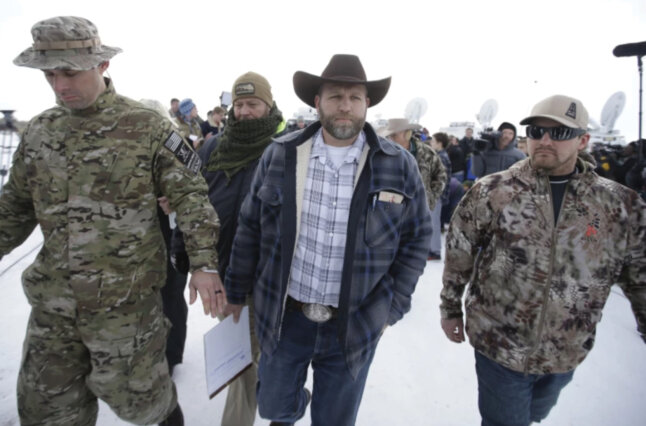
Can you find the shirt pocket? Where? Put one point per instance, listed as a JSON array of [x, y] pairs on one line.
[[271, 202], [123, 178], [383, 221]]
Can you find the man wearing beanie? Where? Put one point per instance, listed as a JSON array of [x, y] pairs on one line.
[[230, 160], [497, 152], [188, 124], [89, 172], [547, 239], [331, 241]]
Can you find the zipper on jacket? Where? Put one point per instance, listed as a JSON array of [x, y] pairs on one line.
[[546, 292]]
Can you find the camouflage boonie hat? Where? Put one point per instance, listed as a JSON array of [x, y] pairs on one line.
[[65, 42]]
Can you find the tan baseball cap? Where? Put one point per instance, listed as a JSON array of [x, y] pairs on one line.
[[568, 111], [65, 42]]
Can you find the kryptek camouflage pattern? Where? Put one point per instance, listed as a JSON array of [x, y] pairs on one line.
[[538, 288]]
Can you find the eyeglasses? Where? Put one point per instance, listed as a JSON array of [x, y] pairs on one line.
[[561, 133]]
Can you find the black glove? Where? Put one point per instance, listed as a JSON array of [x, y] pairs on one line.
[[180, 262]]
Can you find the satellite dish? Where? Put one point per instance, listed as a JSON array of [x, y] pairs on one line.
[[488, 111], [415, 109], [612, 110]]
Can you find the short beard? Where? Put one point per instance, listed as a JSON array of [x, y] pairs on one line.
[[342, 132]]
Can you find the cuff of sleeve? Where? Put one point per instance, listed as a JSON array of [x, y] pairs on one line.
[[204, 260]]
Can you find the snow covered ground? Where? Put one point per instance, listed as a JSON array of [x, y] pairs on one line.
[[418, 377]]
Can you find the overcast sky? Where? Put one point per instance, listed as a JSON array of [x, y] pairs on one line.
[[455, 54]]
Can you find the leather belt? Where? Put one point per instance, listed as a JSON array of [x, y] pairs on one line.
[[313, 311]]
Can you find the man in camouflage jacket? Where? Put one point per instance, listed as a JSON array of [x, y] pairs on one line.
[[540, 245], [433, 173], [89, 172], [432, 170]]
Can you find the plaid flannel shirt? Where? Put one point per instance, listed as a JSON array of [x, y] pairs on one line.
[[318, 260]]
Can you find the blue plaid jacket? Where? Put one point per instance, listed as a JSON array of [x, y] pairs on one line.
[[386, 250]]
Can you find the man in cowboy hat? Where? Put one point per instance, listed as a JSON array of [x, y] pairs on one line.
[[89, 172], [540, 245], [331, 241], [433, 172]]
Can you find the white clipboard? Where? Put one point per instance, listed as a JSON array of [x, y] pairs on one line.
[[227, 352]]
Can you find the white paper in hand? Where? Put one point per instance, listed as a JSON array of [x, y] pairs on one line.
[[227, 352]]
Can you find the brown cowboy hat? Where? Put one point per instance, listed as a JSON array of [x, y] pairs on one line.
[[341, 69]]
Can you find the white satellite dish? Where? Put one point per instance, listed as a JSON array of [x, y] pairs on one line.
[[415, 109], [488, 111], [612, 110]]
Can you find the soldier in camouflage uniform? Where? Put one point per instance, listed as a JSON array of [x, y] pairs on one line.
[[540, 245], [89, 172]]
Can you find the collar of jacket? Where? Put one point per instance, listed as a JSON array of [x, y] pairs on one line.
[[524, 172], [105, 100], [376, 143]]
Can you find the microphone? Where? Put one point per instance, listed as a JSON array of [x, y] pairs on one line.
[[630, 49]]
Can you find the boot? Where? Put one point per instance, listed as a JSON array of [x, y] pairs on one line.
[[175, 418]]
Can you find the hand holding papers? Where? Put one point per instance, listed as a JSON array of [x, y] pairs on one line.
[[227, 352]]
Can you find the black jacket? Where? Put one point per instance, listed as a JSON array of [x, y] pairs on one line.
[[226, 196]]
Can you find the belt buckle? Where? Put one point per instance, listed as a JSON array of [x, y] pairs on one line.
[[316, 312]]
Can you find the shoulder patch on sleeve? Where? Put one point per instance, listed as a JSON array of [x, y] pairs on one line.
[[184, 154]]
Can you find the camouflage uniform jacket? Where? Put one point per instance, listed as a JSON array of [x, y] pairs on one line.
[[538, 288], [90, 178], [433, 172]]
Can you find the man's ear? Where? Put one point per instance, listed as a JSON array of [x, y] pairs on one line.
[[103, 66]]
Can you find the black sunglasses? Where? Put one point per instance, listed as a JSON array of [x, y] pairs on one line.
[[561, 133]]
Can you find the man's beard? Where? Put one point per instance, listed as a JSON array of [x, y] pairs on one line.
[[342, 131]]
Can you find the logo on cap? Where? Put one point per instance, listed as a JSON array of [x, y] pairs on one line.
[[245, 89], [571, 111]]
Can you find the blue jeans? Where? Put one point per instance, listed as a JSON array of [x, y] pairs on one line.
[[336, 395], [510, 398]]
